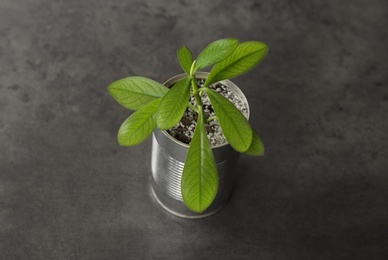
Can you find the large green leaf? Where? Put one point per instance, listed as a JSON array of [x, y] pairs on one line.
[[185, 58], [199, 178], [173, 104], [216, 52], [135, 92], [234, 125], [257, 146], [245, 57], [139, 125]]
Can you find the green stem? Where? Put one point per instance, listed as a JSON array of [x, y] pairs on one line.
[[194, 86], [192, 107], [196, 92], [192, 70], [211, 118], [197, 97]]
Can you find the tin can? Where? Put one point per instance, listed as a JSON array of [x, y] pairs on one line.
[[168, 159]]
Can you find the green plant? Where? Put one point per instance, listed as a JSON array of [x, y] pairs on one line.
[[158, 106]]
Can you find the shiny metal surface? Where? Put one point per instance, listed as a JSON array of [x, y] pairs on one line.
[[168, 157]]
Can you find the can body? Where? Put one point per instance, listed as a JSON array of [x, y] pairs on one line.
[[167, 162]]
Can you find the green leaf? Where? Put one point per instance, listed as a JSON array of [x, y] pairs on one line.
[[185, 58], [173, 104], [199, 183], [216, 52], [245, 57], [257, 146], [135, 92], [139, 125], [234, 125]]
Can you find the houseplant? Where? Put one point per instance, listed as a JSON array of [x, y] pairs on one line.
[[157, 106]]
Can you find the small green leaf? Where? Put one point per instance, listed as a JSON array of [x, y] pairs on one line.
[[257, 146], [199, 183], [245, 57], [185, 58], [234, 125], [135, 92], [216, 52], [173, 104], [139, 125]]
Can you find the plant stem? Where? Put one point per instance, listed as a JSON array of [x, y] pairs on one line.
[[196, 92], [211, 118], [198, 100], [192, 107], [192, 71]]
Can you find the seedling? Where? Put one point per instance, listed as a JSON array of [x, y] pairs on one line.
[[156, 106]]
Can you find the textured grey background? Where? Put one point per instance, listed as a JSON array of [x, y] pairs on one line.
[[319, 101]]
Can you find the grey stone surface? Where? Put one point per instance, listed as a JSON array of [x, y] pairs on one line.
[[319, 101]]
